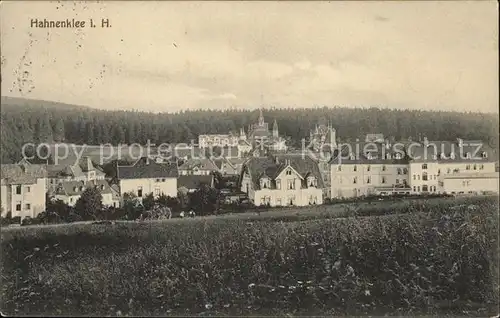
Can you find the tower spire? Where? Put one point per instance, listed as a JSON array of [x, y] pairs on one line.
[[261, 118]]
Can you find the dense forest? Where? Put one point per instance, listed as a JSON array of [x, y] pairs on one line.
[[24, 121]]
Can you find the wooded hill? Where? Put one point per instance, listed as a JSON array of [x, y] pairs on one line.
[[24, 120]]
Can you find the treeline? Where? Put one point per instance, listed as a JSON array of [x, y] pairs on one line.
[[21, 124]]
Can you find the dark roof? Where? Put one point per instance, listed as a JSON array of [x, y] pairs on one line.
[[194, 181], [147, 168], [258, 167], [202, 163], [78, 187], [22, 173]]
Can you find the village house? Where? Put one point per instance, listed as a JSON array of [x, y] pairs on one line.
[[82, 170], [282, 180], [23, 189], [198, 166], [70, 191], [147, 176]]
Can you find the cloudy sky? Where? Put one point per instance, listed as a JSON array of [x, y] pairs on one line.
[[167, 56]]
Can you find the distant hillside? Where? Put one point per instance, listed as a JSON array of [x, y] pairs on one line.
[[25, 102], [31, 121]]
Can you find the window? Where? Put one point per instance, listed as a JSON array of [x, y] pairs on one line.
[[414, 177], [263, 200], [355, 168], [339, 168], [263, 183], [18, 189], [424, 176], [157, 192], [312, 182], [424, 166], [289, 172], [355, 180], [368, 168], [383, 168], [399, 170], [397, 181], [368, 180], [418, 188], [28, 206], [414, 189], [481, 167], [18, 206], [475, 167], [163, 180], [484, 154], [418, 177], [425, 188], [439, 172], [278, 184], [139, 192], [383, 179], [157, 180], [291, 184], [28, 189], [405, 171], [448, 170], [467, 167], [71, 200]]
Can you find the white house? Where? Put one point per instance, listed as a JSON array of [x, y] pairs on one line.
[[282, 180], [201, 166], [23, 189], [192, 182], [70, 191], [147, 176]]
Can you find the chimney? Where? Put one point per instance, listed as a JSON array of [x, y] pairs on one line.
[[276, 160]]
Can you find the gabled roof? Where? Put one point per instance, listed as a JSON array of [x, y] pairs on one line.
[[22, 174], [147, 168], [201, 163], [258, 167], [194, 181]]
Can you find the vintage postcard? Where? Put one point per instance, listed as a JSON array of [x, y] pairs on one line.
[[249, 158]]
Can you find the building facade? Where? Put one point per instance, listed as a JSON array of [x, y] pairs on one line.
[[146, 176], [23, 189], [284, 180]]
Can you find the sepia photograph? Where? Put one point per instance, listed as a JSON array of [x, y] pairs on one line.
[[249, 158]]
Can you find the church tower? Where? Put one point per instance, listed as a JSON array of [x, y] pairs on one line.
[[275, 129], [243, 136], [331, 136], [261, 118]]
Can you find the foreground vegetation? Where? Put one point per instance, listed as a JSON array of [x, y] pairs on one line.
[[425, 257]]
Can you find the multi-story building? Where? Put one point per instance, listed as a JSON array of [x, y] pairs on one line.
[[414, 168], [282, 180], [192, 183], [259, 136], [23, 189], [379, 171], [147, 176], [225, 140]]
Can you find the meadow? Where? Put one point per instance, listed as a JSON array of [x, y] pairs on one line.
[[432, 257]]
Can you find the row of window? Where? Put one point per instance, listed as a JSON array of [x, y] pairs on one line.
[[27, 206], [425, 188], [368, 168], [290, 184], [369, 180], [289, 201], [157, 192]]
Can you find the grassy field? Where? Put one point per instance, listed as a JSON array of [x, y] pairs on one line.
[[399, 258]]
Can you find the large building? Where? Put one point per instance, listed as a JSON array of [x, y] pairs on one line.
[[146, 176], [82, 170], [282, 180], [413, 168], [23, 189], [259, 136]]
